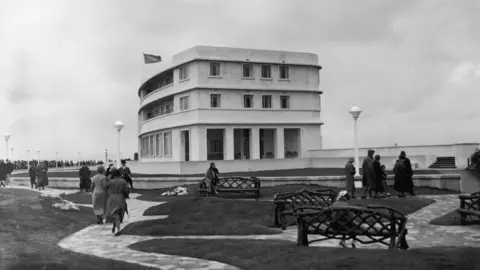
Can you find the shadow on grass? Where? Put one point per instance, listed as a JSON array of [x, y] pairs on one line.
[[273, 255], [32, 228]]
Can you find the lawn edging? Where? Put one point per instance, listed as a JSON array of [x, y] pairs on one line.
[[440, 181]]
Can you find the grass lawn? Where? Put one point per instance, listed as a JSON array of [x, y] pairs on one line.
[[452, 219], [271, 173], [279, 255], [267, 193], [216, 216], [31, 229]]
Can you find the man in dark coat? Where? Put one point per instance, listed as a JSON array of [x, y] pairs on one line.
[[32, 172], [3, 173], [126, 173], [368, 174], [403, 175], [85, 182], [9, 169]]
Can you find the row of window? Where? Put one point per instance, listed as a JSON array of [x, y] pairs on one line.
[[216, 102], [156, 145], [248, 100], [247, 71]]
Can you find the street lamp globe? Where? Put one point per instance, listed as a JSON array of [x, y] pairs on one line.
[[7, 135], [118, 125], [355, 112]]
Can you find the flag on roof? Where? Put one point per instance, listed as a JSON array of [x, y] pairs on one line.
[[150, 58]]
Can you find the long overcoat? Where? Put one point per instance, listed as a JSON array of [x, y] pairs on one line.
[[100, 186], [368, 174], [117, 200], [349, 174]]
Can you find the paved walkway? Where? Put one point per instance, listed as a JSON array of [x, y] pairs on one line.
[[97, 240]]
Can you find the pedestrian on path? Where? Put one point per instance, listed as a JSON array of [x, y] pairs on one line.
[[126, 173], [85, 182], [3, 173], [377, 184], [403, 175], [100, 186], [211, 178], [42, 176], [117, 201], [32, 172], [350, 172]]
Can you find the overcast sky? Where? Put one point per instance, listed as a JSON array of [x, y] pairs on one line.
[[68, 69]]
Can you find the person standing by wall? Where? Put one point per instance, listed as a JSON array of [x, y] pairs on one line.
[[350, 171], [3, 173], [84, 173], [403, 175], [126, 173], [368, 174]]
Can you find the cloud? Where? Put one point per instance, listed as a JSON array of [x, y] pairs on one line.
[[74, 67]]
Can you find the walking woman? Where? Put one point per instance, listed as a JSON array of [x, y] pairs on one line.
[[350, 172], [100, 186], [117, 200], [32, 172], [42, 177], [403, 175]]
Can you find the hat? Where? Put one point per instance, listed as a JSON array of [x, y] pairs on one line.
[[351, 159], [371, 151]]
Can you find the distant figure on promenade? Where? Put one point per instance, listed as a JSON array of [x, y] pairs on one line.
[[85, 182], [350, 172], [211, 178], [100, 186], [117, 201], [126, 173], [9, 169], [41, 175], [403, 175], [368, 174], [32, 172], [3, 173], [108, 173], [377, 184]]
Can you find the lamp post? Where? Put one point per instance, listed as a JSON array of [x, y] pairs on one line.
[[355, 112], [7, 137], [79, 159], [38, 154], [106, 156], [28, 156], [11, 152], [56, 161], [118, 126]]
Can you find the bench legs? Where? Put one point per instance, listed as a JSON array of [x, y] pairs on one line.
[[276, 214], [302, 233]]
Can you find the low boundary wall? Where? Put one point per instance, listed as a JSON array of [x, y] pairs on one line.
[[441, 181]]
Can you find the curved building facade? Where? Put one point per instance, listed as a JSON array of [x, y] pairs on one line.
[[218, 103]]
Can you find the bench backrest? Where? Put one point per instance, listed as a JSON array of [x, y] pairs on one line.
[[470, 202], [305, 197], [349, 219], [238, 182]]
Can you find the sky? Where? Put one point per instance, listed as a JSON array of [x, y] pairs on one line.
[[69, 69]]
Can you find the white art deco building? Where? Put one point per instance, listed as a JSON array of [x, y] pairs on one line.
[[219, 103]]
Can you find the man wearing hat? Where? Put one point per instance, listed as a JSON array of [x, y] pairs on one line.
[[368, 174]]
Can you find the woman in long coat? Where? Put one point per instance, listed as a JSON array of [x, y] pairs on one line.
[[350, 176], [42, 177], [377, 184], [100, 184], [117, 201], [403, 175]]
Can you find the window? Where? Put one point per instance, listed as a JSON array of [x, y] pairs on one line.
[[183, 103], [158, 145], [284, 102], [168, 109], [162, 110], [284, 74], [247, 71], [147, 147], [216, 146], [215, 100], [184, 72], [266, 101], [142, 142], [152, 153], [167, 144], [214, 69], [248, 101], [266, 71]]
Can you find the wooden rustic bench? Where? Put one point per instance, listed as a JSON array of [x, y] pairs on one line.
[[286, 203], [245, 187], [469, 208], [374, 224]]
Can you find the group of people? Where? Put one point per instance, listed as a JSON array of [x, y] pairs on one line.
[[6, 170], [38, 175], [374, 176], [110, 192]]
